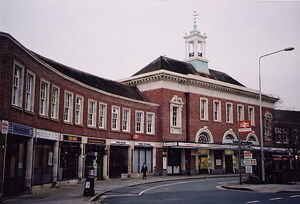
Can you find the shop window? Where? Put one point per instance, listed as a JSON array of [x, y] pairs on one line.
[[139, 121], [203, 108], [78, 110], [240, 112], [251, 115], [68, 107], [229, 113], [102, 115], [17, 85], [150, 123], [69, 160], [44, 98], [141, 156], [92, 113], [126, 120], [176, 105], [29, 96], [115, 119], [217, 111], [55, 102]]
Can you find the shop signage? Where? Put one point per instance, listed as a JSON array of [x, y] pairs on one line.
[[218, 162], [248, 169], [250, 162], [118, 142], [18, 129], [4, 127], [229, 152], [72, 138], [146, 144], [247, 155], [44, 134], [245, 126], [136, 137], [169, 144], [203, 151], [95, 141]]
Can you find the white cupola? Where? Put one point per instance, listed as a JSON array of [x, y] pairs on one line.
[[195, 48]]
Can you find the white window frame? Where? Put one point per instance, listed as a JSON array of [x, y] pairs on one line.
[[242, 117], [178, 103], [17, 86], [126, 120], [54, 105], [139, 125], [78, 118], [91, 122], [117, 122], [251, 117], [102, 114], [229, 115], [29, 94], [218, 112], [152, 132], [204, 116], [70, 107], [44, 100]]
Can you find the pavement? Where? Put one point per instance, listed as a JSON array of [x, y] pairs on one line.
[[73, 194]]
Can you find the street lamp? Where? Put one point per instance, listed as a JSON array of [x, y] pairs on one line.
[[260, 112]]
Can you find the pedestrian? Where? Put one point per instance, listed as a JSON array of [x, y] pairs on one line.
[[144, 170]]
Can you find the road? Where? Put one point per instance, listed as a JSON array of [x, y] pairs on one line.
[[190, 191]]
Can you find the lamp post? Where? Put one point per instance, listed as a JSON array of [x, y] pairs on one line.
[[260, 111]]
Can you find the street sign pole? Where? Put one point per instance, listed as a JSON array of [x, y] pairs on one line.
[[240, 172]]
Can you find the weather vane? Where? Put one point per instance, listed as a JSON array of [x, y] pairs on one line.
[[195, 17]]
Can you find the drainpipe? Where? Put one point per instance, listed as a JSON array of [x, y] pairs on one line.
[[187, 124]]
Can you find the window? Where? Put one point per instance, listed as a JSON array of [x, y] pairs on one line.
[[139, 121], [29, 97], [54, 102], [150, 123], [17, 85], [126, 120], [204, 138], [102, 115], [203, 109], [268, 120], [78, 110], [176, 105], [217, 111], [251, 115], [68, 107], [229, 113], [240, 112], [115, 118], [44, 98], [92, 113]]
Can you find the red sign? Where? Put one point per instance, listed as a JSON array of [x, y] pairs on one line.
[[136, 137], [245, 126], [247, 155], [4, 127]]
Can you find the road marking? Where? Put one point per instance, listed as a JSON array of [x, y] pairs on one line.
[[275, 198], [254, 201], [295, 196]]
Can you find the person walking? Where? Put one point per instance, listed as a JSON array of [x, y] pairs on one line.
[[144, 170]]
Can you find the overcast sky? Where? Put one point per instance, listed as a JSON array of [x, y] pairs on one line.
[[115, 39]]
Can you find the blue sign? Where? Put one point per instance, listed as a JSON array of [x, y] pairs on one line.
[[18, 129]]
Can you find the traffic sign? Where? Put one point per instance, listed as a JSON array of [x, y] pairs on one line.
[[248, 169], [4, 127], [250, 162], [245, 126], [247, 155]]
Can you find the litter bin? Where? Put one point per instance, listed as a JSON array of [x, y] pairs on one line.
[[89, 185]]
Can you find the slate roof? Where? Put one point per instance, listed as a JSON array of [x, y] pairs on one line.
[[185, 68], [95, 81]]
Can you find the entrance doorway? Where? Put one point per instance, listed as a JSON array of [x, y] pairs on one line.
[[228, 164], [118, 161], [15, 167], [203, 164], [174, 161]]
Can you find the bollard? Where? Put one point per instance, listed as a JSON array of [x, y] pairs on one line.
[[89, 185]]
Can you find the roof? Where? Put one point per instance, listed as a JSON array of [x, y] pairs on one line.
[[285, 116], [95, 81], [181, 67]]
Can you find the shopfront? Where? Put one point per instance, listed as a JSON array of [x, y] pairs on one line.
[[18, 159], [118, 158], [44, 165], [94, 152], [70, 151], [229, 161], [142, 153], [203, 160]]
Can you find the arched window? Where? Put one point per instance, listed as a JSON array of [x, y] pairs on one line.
[[229, 136], [252, 138], [204, 138]]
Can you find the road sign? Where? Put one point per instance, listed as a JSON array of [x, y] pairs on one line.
[[248, 169], [250, 162], [4, 127], [247, 155], [245, 126]]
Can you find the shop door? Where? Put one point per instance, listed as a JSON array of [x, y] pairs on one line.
[[174, 161], [118, 161], [228, 164], [14, 181], [203, 164]]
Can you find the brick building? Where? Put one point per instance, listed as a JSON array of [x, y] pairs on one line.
[[59, 124]]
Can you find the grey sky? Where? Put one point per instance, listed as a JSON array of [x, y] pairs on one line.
[[115, 39]]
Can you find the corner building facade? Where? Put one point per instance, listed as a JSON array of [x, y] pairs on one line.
[[60, 125]]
